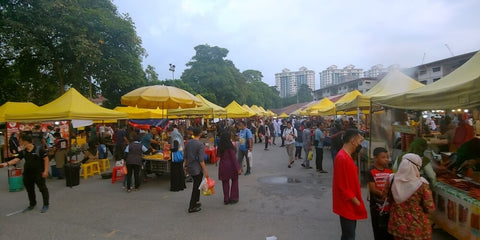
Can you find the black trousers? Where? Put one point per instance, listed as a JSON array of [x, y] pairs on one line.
[[197, 179], [29, 181], [266, 142], [135, 169], [380, 225], [298, 151], [319, 158]]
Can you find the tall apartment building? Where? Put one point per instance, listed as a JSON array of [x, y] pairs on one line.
[[334, 75], [288, 82]]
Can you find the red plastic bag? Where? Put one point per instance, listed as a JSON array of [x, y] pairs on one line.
[[210, 183]]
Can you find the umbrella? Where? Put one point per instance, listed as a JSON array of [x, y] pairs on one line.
[[164, 97]]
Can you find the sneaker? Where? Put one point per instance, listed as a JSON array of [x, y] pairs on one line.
[[247, 173], [44, 209], [323, 171], [303, 165], [29, 208], [233, 201], [195, 209]]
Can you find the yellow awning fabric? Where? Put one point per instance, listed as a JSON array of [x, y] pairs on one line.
[[16, 108], [208, 110], [459, 89], [234, 110], [257, 110], [70, 106], [283, 115], [249, 110], [263, 110], [394, 82], [142, 113], [324, 107], [270, 113]]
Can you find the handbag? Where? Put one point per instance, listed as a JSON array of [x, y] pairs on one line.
[[177, 156]]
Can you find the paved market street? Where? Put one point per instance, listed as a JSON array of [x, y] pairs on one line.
[[289, 203]]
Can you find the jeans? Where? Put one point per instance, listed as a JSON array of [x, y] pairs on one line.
[[348, 228], [195, 197], [240, 156], [29, 181]]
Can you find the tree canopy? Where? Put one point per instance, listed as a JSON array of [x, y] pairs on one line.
[[50, 45]]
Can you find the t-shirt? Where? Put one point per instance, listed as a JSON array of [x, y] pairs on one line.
[[194, 152], [289, 139], [34, 162], [146, 140], [61, 144], [243, 136], [318, 137], [345, 186], [380, 177], [37, 138]]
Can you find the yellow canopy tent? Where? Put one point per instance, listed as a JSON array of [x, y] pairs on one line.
[[234, 110], [345, 99], [249, 110], [283, 115], [258, 111], [323, 107], [70, 106], [265, 112], [394, 82], [271, 114], [459, 89], [208, 110], [16, 108]]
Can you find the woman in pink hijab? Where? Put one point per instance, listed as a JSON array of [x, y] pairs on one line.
[[412, 203]]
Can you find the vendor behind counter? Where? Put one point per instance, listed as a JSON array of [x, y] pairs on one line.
[[468, 156]]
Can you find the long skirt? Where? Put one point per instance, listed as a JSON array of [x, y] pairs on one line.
[[177, 177]]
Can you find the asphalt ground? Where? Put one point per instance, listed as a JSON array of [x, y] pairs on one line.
[[288, 203]]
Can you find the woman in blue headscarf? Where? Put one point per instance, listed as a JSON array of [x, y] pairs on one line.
[[177, 174]]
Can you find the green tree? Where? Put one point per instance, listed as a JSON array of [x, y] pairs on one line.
[[50, 45], [215, 77]]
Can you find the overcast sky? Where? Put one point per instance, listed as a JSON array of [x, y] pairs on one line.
[[270, 35]]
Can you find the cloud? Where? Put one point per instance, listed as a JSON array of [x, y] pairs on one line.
[[270, 35]]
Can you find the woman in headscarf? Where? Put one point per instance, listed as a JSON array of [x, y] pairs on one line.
[[229, 169], [177, 174], [412, 203]]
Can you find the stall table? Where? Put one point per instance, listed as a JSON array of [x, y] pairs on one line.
[[156, 165]]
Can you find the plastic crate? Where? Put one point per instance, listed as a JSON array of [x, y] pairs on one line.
[[159, 166]]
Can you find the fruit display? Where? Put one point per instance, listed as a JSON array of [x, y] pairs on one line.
[[155, 156]]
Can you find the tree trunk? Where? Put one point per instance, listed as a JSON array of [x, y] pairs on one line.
[[61, 83]]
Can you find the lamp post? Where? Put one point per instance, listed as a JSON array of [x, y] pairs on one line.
[[172, 69]]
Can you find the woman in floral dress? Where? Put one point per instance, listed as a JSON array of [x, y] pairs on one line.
[[412, 201]]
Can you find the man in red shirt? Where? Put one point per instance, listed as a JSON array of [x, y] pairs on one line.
[[347, 197]]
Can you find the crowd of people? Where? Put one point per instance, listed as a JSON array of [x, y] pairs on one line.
[[391, 198]]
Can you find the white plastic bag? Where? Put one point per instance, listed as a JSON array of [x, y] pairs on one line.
[[203, 185], [249, 155]]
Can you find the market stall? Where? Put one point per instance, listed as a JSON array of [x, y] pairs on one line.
[[457, 190]]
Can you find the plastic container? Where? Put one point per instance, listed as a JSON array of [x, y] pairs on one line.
[[15, 179]]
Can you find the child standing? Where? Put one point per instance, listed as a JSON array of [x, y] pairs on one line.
[[377, 179]]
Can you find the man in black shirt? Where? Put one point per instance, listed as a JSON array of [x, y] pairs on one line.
[[35, 170]]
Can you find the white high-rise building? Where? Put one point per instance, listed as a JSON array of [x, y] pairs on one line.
[[333, 75], [288, 82]]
